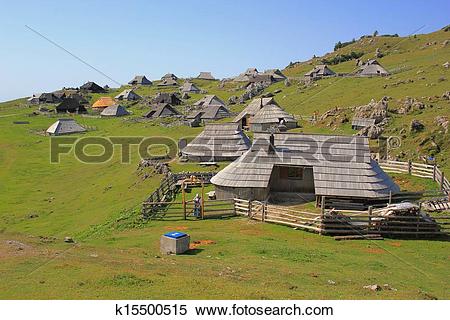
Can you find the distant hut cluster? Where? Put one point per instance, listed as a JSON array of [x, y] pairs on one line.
[[319, 71], [252, 75], [218, 142]]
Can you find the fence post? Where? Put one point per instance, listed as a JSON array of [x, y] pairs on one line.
[[409, 167], [263, 212], [322, 206], [442, 180], [183, 200], [369, 228], [390, 196], [322, 214], [434, 172], [203, 201]]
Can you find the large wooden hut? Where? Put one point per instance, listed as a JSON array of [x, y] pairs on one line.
[[337, 167], [272, 117], [246, 115], [218, 142]]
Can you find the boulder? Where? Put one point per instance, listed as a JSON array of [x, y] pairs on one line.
[[446, 95], [373, 287], [443, 122], [408, 105], [416, 126], [373, 110], [378, 53], [372, 132], [287, 83], [233, 100], [69, 240]]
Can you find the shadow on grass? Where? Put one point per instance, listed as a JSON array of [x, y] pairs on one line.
[[193, 252]]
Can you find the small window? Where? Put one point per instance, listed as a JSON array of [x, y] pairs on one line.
[[295, 173]]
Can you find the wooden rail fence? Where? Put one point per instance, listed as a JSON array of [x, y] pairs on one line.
[[163, 196], [418, 170], [346, 222]]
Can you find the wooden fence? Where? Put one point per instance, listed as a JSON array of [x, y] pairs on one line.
[[346, 222], [418, 170], [187, 210], [169, 187]]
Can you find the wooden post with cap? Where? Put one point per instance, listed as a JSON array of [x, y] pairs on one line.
[[203, 201], [183, 199]]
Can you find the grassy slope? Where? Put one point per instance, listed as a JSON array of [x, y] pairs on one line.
[[115, 256]]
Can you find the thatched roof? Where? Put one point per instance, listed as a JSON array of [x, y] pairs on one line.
[[103, 102], [206, 76], [342, 165], [254, 107], [140, 80], [129, 95], [189, 87], [320, 71], [115, 111], [209, 100], [372, 68], [221, 141], [272, 114], [162, 110], [65, 126]]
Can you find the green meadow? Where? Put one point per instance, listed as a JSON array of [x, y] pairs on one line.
[[116, 253]]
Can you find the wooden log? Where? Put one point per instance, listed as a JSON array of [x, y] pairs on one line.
[[371, 236]]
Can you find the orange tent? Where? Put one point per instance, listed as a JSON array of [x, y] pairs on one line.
[[103, 102]]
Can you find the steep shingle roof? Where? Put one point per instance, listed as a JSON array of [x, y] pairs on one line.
[[221, 141], [342, 165]]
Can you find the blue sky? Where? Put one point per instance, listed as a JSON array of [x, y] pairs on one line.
[[124, 38]]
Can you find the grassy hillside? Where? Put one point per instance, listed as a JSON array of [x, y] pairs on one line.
[[116, 254]]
